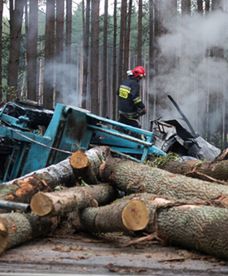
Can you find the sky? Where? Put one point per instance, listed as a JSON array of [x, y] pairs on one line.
[[74, 5]]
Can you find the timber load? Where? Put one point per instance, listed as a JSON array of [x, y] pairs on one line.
[[104, 193]]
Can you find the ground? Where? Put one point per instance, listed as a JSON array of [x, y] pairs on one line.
[[107, 255]]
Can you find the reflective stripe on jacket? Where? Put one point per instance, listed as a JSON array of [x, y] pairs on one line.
[[129, 99]]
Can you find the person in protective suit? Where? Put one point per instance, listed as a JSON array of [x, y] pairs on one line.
[[130, 104]]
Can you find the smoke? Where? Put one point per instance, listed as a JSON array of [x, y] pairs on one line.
[[64, 77], [187, 69], [66, 83]]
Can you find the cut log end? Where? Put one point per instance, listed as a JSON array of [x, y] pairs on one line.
[[3, 237], [41, 205], [79, 160], [135, 215]]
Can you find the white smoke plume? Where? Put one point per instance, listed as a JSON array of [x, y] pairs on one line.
[[65, 78], [195, 75]]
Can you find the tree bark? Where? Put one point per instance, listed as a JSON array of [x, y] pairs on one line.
[[17, 228], [59, 54], [94, 57], [32, 50], [209, 171], [23, 188], [63, 173], [16, 18], [186, 6], [58, 203], [86, 35], [49, 52], [122, 36], [207, 6], [124, 215], [1, 47], [86, 164], [140, 33], [114, 62], [104, 98], [189, 225], [126, 41], [132, 177], [200, 6], [68, 31], [196, 227]]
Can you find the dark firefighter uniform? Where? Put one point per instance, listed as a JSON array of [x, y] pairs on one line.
[[131, 106]]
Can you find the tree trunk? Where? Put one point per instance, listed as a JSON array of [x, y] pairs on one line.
[[123, 30], [105, 90], [58, 203], [48, 97], [202, 228], [16, 17], [209, 171], [17, 228], [140, 33], [87, 164], [59, 39], [186, 6], [23, 188], [1, 13], [187, 224], [86, 35], [32, 50], [124, 215], [195, 227], [114, 67], [207, 6], [132, 177], [68, 31], [200, 6], [46, 179], [127, 38], [94, 57]]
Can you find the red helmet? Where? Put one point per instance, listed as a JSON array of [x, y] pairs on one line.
[[139, 72]]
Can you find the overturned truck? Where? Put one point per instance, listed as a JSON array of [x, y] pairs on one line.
[[32, 137]]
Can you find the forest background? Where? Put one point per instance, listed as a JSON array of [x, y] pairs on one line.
[[77, 53]]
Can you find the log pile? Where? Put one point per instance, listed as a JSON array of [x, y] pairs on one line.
[[121, 196]]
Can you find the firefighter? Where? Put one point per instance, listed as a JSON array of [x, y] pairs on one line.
[[131, 106]]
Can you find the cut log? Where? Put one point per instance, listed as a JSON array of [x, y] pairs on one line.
[[86, 163], [70, 199], [17, 228], [23, 188], [209, 171], [131, 177], [191, 226], [203, 228], [124, 215]]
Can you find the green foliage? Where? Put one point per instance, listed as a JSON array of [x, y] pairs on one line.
[[162, 160], [83, 183]]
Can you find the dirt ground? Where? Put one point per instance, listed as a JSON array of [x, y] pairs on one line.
[[106, 255]]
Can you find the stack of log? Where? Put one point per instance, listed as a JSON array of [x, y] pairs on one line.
[[122, 195]]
